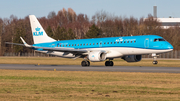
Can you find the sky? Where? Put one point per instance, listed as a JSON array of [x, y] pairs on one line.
[[123, 8]]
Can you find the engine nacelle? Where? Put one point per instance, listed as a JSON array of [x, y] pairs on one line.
[[133, 58], [96, 56]]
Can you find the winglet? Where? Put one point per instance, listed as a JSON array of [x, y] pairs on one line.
[[27, 45]]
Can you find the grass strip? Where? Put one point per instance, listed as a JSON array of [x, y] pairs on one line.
[[82, 85], [65, 61]]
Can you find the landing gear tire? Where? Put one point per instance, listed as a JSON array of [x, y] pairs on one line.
[[155, 62], [88, 63], [85, 63], [109, 63]]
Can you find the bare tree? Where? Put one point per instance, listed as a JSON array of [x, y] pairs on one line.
[[51, 14]]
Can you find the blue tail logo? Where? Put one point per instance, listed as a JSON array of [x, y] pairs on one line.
[[38, 32]]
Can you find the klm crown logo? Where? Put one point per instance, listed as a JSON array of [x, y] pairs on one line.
[[37, 29], [38, 32]]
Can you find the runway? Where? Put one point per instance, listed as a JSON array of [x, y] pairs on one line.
[[91, 68]]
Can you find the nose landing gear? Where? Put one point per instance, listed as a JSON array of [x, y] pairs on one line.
[[155, 62]]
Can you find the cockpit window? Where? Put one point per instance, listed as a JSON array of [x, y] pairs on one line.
[[162, 40], [155, 40], [159, 39]]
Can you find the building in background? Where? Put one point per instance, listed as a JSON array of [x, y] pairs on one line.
[[166, 22], [169, 22]]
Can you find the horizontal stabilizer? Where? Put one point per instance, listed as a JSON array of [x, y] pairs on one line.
[[14, 43], [24, 43]]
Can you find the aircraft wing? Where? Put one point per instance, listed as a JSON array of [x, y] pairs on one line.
[[59, 49], [71, 50]]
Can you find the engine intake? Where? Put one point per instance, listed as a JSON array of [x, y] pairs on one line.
[[96, 56], [133, 58]]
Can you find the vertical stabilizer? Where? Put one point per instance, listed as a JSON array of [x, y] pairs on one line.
[[38, 33]]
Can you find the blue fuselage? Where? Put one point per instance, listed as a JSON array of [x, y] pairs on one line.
[[144, 42]]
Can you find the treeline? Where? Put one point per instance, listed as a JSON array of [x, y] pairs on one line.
[[66, 24]]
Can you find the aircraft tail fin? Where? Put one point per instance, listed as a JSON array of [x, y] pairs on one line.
[[38, 33]]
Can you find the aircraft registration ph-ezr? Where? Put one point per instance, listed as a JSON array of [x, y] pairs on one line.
[[129, 48]]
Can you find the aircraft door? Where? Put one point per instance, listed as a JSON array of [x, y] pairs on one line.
[[100, 44], [146, 43]]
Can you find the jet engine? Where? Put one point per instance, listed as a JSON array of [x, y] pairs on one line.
[[96, 56], [132, 58]]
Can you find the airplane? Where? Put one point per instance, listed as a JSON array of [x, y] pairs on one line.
[[129, 48]]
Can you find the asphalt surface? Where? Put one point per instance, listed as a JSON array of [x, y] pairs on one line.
[[91, 68]]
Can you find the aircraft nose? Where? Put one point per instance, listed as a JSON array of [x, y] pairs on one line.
[[169, 46]]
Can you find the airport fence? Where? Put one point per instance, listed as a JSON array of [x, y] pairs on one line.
[[34, 54], [173, 54]]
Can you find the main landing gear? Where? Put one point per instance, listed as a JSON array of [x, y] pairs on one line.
[[109, 63], [85, 63], [155, 58]]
